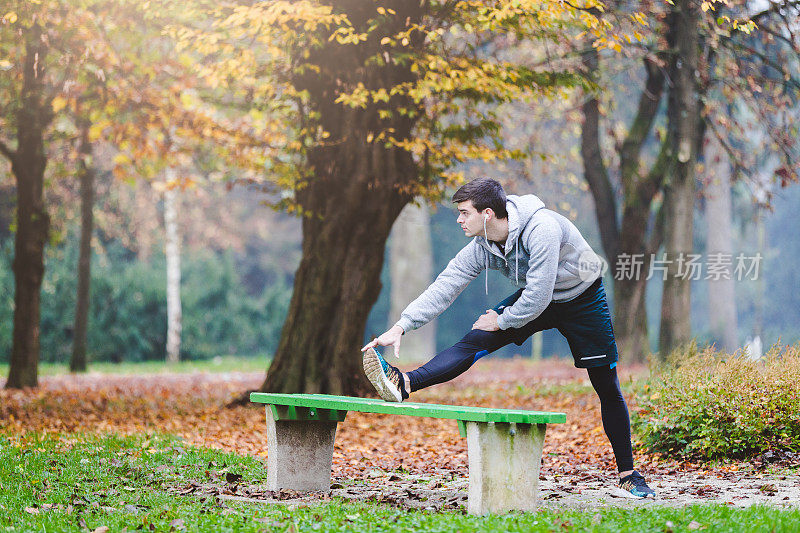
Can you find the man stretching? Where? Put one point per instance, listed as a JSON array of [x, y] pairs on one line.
[[559, 283]]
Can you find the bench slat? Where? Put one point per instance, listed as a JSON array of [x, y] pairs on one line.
[[295, 412], [371, 405]]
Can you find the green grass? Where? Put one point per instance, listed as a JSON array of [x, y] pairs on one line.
[[82, 483], [228, 363]]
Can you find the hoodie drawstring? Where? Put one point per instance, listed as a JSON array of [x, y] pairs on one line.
[[486, 256]]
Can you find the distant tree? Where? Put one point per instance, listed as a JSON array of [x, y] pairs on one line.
[[719, 242], [45, 46], [172, 250], [648, 208], [411, 270], [59, 58], [86, 174]]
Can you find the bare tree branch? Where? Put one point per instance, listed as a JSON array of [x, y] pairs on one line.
[[769, 62], [6, 151], [594, 168]]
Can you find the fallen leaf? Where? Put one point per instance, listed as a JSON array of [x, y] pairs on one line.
[[233, 478]]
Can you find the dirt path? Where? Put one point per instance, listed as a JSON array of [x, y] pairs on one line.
[[588, 491]]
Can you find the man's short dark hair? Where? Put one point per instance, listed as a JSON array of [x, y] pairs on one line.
[[483, 193]]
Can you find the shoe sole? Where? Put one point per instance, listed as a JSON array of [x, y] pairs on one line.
[[619, 492], [374, 371]]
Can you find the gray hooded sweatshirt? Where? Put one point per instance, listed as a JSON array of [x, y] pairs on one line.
[[544, 253]]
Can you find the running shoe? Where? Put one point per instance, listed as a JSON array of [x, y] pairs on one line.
[[386, 379], [634, 486]]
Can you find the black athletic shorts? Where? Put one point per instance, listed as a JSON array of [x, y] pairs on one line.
[[585, 321]]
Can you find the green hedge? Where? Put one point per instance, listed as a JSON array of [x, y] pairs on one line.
[[710, 405], [128, 318]]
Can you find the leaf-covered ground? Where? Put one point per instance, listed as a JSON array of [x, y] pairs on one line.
[[401, 455], [53, 482]]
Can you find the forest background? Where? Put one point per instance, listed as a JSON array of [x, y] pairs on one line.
[[238, 257]]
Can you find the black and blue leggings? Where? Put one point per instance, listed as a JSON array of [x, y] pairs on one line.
[[586, 323]]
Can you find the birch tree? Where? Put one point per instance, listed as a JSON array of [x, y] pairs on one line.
[[719, 244], [172, 250]]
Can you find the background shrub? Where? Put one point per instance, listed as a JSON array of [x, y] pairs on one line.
[[708, 405], [128, 307]]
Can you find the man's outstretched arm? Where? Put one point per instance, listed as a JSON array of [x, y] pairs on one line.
[[462, 269]]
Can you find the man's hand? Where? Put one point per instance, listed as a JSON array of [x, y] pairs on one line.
[[390, 338], [487, 321]]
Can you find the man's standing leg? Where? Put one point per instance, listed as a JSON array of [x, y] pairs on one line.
[[586, 323], [614, 413]]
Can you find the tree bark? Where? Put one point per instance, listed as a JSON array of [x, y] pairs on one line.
[[719, 240], [683, 116], [355, 190], [28, 165], [172, 250], [77, 362], [411, 267], [335, 286]]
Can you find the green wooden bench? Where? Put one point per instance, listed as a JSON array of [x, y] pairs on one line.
[[504, 445]]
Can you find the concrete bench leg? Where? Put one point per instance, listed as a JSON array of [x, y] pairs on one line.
[[299, 453], [504, 463]]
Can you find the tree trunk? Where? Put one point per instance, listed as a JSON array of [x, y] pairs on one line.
[[335, 286], [354, 190], [173, 255], [719, 240], [683, 118], [536, 346], [28, 165], [630, 302], [411, 266], [86, 169], [630, 319]]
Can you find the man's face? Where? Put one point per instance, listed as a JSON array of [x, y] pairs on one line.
[[470, 220]]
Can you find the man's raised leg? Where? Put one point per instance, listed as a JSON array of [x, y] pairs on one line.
[[395, 386], [457, 359]]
